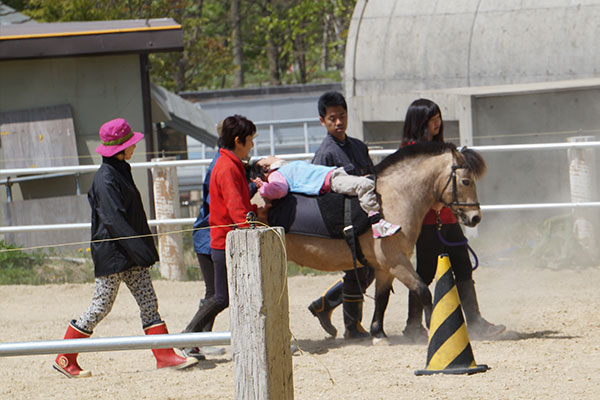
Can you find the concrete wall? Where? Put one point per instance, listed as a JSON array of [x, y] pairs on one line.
[[97, 89], [502, 73], [54, 210]]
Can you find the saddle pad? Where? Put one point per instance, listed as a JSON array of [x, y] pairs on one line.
[[299, 214], [321, 216], [332, 211]]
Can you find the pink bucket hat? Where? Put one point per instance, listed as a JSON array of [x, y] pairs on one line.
[[116, 135]]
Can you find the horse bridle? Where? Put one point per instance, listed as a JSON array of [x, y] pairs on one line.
[[452, 178]]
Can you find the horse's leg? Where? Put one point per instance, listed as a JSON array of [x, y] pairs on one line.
[[403, 270], [424, 296], [383, 286]]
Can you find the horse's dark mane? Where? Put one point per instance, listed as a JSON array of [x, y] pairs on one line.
[[414, 150], [472, 159]]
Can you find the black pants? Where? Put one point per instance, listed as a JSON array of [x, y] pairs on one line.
[[208, 273], [429, 247], [357, 281], [221, 289]]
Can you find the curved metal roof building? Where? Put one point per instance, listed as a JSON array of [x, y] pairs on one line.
[[430, 44]]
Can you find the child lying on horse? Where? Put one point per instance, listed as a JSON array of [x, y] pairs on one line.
[[275, 177]]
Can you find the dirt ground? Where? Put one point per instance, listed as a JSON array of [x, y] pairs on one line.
[[551, 348]]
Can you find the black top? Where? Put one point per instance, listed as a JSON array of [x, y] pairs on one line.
[[352, 154], [117, 211]]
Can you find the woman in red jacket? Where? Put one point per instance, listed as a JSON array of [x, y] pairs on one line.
[[229, 205], [423, 123]]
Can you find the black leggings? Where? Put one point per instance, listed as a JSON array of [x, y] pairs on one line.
[[429, 247], [208, 274]]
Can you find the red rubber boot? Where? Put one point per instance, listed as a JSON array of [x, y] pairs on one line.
[[167, 358], [67, 363]]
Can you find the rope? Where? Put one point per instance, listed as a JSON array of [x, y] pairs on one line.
[[118, 238], [456, 244]]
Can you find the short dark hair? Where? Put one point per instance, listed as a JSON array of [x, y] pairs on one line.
[[235, 126], [330, 99], [418, 115], [256, 170]]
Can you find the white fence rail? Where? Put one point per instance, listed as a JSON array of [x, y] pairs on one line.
[[115, 343], [300, 156]]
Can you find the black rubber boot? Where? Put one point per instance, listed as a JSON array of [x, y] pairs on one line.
[[477, 326], [210, 322], [414, 331], [205, 316], [202, 322], [352, 318], [324, 306]]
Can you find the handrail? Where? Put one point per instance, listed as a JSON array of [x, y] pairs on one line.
[[299, 156], [383, 152]]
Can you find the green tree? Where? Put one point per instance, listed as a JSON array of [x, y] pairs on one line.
[[228, 43]]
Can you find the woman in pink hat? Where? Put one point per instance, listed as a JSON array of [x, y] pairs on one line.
[[118, 212]]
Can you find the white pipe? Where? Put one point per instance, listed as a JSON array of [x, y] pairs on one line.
[[287, 121], [187, 163], [93, 168], [115, 343], [272, 139], [306, 147], [87, 225], [190, 221], [538, 206]]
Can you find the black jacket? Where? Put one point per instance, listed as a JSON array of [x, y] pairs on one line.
[[352, 154], [117, 211]]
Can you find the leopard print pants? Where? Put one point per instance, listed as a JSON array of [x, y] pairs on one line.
[[106, 288]]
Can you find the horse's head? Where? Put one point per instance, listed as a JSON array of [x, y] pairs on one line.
[[460, 191]]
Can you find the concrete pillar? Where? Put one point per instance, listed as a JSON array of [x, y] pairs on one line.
[[166, 204], [583, 177]]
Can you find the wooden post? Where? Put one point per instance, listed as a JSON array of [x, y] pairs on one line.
[[259, 314], [166, 204]]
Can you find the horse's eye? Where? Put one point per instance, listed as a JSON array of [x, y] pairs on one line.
[[466, 182]]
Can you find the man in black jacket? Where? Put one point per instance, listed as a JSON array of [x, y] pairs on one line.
[[341, 150]]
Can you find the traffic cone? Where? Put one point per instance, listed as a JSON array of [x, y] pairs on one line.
[[449, 350]]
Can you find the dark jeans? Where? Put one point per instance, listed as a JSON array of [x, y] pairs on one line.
[[208, 273], [429, 247], [221, 290]]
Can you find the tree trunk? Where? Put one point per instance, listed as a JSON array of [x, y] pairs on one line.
[[238, 78], [180, 73], [337, 27], [325, 44], [200, 6], [273, 57], [301, 57]]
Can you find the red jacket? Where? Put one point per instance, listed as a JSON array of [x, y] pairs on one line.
[[446, 216], [229, 197]]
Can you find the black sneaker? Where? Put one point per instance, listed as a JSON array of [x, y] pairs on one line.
[[194, 352]]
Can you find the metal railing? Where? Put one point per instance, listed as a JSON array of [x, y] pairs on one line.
[[300, 156], [179, 340]]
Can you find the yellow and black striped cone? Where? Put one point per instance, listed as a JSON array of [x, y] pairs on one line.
[[449, 350]]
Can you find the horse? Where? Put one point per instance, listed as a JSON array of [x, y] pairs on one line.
[[409, 183]]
